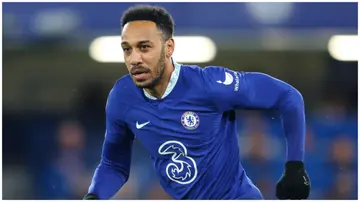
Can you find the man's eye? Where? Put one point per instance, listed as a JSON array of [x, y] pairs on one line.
[[144, 46], [126, 49]]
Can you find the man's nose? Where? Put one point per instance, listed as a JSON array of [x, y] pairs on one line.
[[135, 58]]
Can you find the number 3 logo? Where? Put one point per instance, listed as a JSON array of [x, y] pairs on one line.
[[183, 168]]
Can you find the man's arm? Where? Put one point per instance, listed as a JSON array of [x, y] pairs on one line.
[[261, 91], [114, 168], [232, 90]]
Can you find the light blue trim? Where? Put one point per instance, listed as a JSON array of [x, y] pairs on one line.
[[173, 80]]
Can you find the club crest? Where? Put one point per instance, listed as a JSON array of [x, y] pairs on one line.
[[190, 120]]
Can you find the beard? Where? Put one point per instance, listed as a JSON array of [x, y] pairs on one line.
[[157, 74]]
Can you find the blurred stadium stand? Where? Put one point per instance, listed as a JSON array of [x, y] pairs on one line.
[[54, 93]]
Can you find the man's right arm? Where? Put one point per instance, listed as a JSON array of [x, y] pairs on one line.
[[114, 168]]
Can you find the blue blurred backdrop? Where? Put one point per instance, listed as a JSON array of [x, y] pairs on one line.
[[54, 93]]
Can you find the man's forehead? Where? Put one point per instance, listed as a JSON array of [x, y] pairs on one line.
[[139, 27], [140, 31]]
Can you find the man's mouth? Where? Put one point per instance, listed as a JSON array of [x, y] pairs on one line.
[[140, 74]]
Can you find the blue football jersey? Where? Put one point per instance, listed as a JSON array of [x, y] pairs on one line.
[[190, 133]]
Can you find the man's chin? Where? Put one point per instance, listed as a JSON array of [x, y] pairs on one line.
[[143, 84]]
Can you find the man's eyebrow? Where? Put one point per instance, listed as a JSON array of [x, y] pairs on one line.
[[144, 41], [140, 42]]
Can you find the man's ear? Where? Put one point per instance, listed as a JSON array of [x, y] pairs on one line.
[[170, 47]]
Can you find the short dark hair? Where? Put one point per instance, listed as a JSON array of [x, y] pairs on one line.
[[156, 14]]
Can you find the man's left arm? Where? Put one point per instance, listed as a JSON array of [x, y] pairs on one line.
[[238, 90], [232, 90]]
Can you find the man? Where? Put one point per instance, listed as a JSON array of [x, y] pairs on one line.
[[184, 116]]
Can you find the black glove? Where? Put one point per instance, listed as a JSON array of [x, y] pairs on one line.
[[90, 197], [294, 183]]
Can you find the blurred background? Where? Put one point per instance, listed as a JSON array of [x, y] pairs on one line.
[[56, 80]]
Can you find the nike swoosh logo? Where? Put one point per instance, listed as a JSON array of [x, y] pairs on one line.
[[139, 126], [228, 79]]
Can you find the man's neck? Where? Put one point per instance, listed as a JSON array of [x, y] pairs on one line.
[[159, 89]]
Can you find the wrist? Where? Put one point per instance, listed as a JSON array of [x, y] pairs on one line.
[[294, 165]]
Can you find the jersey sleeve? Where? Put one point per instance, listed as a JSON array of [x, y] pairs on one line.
[[114, 168], [231, 90], [116, 129]]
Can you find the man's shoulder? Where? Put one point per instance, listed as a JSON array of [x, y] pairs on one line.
[[120, 96], [195, 70], [123, 89], [205, 74], [124, 81], [124, 84], [213, 69]]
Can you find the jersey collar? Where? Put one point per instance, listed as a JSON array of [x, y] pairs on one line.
[[173, 80]]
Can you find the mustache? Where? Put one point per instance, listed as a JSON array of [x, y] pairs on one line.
[[139, 70]]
